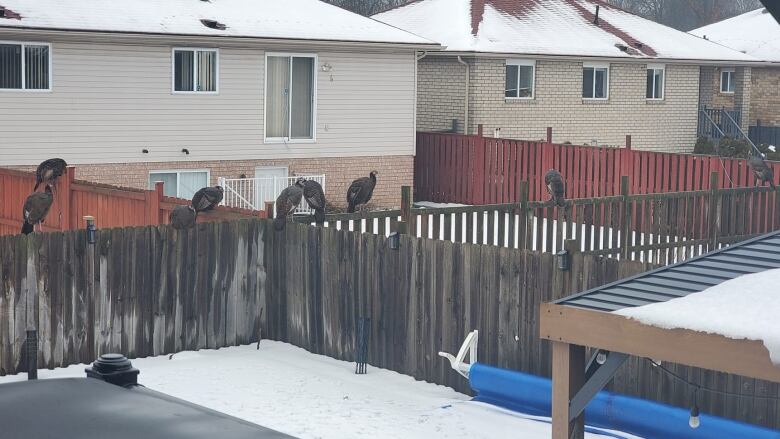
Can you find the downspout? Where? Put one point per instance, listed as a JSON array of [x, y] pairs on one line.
[[468, 79]]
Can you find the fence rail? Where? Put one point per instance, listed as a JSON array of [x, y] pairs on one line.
[[152, 290], [453, 168], [111, 206]]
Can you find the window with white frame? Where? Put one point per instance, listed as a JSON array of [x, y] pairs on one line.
[[195, 70], [180, 184], [655, 81], [595, 81], [25, 66], [727, 81], [290, 97], [520, 75]]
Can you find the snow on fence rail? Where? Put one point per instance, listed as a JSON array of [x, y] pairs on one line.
[[472, 169], [657, 228]]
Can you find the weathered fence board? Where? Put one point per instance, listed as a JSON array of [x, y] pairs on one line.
[[159, 291]]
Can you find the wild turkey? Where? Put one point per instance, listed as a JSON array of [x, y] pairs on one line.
[[762, 173], [49, 171], [35, 209], [315, 197], [360, 191], [207, 198], [183, 217], [556, 187], [287, 202]]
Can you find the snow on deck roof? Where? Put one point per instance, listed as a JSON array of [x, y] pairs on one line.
[[551, 27], [287, 19], [745, 307], [755, 33]]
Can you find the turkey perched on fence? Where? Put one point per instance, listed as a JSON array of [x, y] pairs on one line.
[[48, 172], [315, 197], [35, 209], [287, 202], [360, 191], [762, 173], [183, 217], [207, 198], [556, 187]]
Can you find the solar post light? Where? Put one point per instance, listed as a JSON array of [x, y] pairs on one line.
[[91, 230], [564, 260], [394, 240]]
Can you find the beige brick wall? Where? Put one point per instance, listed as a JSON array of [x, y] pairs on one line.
[[440, 93], [394, 172], [742, 98], [765, 100]]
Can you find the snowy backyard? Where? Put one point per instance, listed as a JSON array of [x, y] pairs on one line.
[[311, 396]]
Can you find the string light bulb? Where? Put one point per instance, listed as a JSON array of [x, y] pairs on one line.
[[601, 357]]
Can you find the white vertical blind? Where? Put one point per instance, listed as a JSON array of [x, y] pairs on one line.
[[277, 99], [207, 71], [302, 99], [36, 67]]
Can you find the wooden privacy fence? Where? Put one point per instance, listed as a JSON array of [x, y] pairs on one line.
[[454, 168], [151, 291], [658, 228], [111, 206]]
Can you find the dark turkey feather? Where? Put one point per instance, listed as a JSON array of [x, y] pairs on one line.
[[360, 191], [287, 202], [315, 197], [183, 217], [48, 172], [36, 206], [556, 187], [207, 198]]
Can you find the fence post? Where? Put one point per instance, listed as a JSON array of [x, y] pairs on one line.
[[65, 198], [92, 345], [714, 210], [31, 346], [480, 173], [625, 226], [549, 134], [405, 226], [522, 227], [628, 142], [152, 203], [269, 209]]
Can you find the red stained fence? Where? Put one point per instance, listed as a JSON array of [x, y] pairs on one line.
[[454, 168], [111, 206]]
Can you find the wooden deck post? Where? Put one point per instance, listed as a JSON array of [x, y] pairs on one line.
[[568, 376], [549, 134], [406, 210], [628, 142], [479, 165], [625, 223], [269, 210], [153, 199]]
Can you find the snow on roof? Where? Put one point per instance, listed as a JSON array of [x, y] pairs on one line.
[[550, 27], [745, 307], [288, 19], [755, 33]]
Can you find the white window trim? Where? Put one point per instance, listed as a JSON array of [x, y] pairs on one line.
[[597, 65], [523, 62], [180, 171], [195, 70], [731, 70], [24, 60], [661, 67], [286, 140]]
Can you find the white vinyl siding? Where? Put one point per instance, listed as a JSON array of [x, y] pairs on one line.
[[180, 184], [520, 78], [195, 70], [25, 66], [595, 81], [113, 101], [727, 81], [656, 78]]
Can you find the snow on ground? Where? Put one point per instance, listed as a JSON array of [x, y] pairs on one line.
[[312, 396], [741, 308]]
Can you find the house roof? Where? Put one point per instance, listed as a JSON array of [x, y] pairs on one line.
[[684, 278], [272, 19], [551, 27], [756, 33]]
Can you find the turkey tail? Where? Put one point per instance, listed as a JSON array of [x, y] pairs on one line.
[[27, 228], [279, 223], [319, 216]]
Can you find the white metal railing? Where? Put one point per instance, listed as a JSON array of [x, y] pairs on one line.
[[253, 193]]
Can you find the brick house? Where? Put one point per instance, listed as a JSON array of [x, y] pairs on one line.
[[755, 92], [187, 91], [592, 72]]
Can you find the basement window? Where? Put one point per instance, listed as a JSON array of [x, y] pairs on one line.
[[520, 75], [25, 66], [195, 70], [655, 81], [180, 183], [727, 81], [595, 81]]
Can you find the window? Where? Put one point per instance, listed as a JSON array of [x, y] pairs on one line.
[[520, 79], [195, 70], [595, 81], [290, 97], [727, 81], [655, 81], [181, 184], [25, 66]]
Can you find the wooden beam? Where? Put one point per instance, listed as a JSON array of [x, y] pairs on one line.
[[568, 375], [616, 333]]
